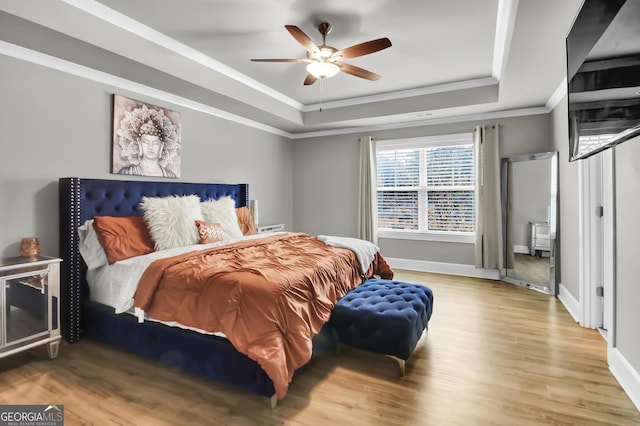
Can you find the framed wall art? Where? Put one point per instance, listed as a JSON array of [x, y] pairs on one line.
[[146, 139]]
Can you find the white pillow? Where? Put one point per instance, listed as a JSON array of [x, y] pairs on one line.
[[222, 211], [172, 220], [89, 246]]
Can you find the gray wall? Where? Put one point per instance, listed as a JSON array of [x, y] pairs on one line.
[[568, 231], [56, 125], [627, 188], [326, 187], [627, 314]]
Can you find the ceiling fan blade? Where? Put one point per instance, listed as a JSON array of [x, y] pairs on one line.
[[310, 79], [302, 38], [365, 48], [281, 60], [357, 71]]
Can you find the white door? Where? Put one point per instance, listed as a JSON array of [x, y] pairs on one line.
[[608, 236], [597, 240], [596, 259]]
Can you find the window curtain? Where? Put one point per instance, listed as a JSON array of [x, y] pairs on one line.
[[368, 202], [489, 246]]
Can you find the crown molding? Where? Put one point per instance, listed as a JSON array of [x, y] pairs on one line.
[[422, 123], [505, 20], [403, 94], [505, 24], [504, 29], [113, 17], [82, 71], [68, 67], [557, 95]]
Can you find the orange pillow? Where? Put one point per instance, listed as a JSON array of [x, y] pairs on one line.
[[123, 237], [245, 221], [209, 232]]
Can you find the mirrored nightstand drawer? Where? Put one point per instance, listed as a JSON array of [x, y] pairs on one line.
[[29, 304]]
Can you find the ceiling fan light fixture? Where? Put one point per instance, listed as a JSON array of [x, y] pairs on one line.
[[323, 69], [326, 61]]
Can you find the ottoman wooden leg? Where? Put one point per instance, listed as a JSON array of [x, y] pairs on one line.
[[401, 363]]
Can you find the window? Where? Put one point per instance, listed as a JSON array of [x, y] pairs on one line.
[[591, 143], [426, 188]]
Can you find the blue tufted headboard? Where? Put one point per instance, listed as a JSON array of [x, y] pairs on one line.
[[81, 199]]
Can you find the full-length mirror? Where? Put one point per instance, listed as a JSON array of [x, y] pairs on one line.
[[529, 197]]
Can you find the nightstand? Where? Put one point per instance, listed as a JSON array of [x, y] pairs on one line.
[[538, 237], [271, 228], [29, 304]]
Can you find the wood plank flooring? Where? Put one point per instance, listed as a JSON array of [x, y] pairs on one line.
[[494, 354], [532, 269]]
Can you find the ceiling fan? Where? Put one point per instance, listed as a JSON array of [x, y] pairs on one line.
[[325, 61]]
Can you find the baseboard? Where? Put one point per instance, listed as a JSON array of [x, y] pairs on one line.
[[443, 268], [625, 374], [569, 302]]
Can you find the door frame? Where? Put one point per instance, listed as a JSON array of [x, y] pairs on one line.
[[597, 241]]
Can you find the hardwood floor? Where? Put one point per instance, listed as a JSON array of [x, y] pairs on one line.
[[494, 354], [532, 269]]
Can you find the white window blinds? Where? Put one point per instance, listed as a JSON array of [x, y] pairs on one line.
[[426, 185]]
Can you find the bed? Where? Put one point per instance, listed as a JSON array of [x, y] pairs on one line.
[[210, 355]]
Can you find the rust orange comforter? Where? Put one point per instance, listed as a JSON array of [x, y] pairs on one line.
[[269, 296]]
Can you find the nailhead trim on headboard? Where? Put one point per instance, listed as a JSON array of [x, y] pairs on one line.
[[74, 313]]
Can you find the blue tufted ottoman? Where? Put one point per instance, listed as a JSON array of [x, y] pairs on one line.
[[383, 316]]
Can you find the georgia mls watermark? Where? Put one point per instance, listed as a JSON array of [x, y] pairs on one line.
[[32, 415]]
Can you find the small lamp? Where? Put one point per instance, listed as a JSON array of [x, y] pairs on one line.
[[29, 247], [253, 207]]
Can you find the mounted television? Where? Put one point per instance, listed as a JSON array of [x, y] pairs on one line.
[[603, 76]]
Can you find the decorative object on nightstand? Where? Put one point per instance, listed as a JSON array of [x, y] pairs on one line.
[[271, 228], [29, 304], [29, 247], [253, 208], [538, 238]]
